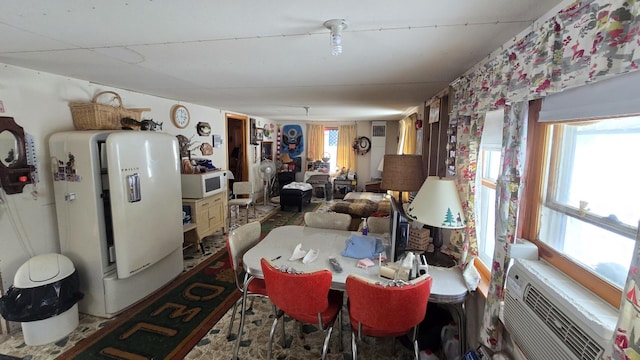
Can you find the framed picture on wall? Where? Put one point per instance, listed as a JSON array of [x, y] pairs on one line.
[[253, 132], [434, 111], [259, 134], [266, 150]]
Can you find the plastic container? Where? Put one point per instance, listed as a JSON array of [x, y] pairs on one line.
[[44, 299], [452, 348], [447, 332], [427, 354], [365, 227]]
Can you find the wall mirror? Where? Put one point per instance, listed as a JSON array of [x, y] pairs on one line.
[[14, 171], [8, 149]]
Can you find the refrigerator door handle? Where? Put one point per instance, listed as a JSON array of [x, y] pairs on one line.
[[133, 184]]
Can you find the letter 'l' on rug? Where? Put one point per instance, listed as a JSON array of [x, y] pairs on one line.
[[169, 323]]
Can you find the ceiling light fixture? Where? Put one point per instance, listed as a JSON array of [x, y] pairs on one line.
[[336, 26]]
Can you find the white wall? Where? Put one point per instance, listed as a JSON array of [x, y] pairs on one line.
[[39, 103]]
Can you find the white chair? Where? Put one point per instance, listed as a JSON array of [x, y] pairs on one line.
[[238, 242], [242, 188], [337, 221]]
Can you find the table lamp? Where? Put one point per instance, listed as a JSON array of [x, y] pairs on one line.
[[402, 173], [286, 159], [437, 204]]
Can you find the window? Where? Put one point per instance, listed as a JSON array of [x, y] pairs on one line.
[[331, 146], [486, 178], [590, 206], [486, 204]]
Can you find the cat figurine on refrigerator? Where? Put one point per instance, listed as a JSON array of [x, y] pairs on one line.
[[146, 124], [149, 124]]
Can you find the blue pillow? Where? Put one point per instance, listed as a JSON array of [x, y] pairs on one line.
[[363, 246]]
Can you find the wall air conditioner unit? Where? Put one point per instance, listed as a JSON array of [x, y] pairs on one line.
[[550, 316]]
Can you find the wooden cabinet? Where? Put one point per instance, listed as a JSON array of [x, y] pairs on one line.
[[207, 216]]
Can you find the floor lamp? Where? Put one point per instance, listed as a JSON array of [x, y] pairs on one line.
[[437, 204], [402, 173]]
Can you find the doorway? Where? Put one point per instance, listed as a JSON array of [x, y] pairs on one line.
[[237, 147]]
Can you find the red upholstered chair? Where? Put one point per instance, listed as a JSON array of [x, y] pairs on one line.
[[238, 242], [305, 297], [381, 309]]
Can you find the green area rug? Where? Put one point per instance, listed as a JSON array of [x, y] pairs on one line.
[[284, 217], [169, 324]]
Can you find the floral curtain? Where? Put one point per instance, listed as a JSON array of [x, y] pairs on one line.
[[315, 142], [585, 42], [463, 244], [346, 155], [625, 339], [508, 190]]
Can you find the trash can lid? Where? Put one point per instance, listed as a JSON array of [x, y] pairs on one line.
[[43, 269]]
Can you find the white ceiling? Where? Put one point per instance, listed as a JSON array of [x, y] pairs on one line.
[[267, 59]]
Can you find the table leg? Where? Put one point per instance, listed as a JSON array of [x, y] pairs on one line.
[[458, 311]]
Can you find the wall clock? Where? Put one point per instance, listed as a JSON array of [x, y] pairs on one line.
[[180, 116]]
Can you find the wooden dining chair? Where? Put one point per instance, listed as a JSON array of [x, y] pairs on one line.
[[386, 309], [337, 221], [239, 241], [305, 297]]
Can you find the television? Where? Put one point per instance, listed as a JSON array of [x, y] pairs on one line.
[[398, 231]]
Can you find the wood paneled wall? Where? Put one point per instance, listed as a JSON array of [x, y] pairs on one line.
[[435, 137]]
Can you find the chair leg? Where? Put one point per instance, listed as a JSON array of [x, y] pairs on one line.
[[284, 336], [416, 349], [354, 347], [341, 348], [241, 327], [273, 332], [233, 317], [325, 345]]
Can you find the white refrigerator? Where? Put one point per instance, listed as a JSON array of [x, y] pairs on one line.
[[119, 209]]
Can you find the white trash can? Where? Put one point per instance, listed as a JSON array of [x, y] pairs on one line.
[[44, 299]]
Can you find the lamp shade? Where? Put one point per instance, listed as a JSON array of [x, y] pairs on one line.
[[438, 204], [402, 172], [286, 159]]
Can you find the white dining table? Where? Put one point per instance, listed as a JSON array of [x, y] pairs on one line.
[[448, 286]]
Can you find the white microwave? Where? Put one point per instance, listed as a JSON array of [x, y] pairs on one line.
[[197, 186]]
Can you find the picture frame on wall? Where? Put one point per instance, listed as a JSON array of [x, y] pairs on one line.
[[434, 111], [253, 132], [266, 152], [259, 135]]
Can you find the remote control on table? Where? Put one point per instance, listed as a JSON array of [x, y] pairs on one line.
[[335, 264]]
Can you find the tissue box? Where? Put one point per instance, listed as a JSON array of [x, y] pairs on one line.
[[419, 233], [419, 239]]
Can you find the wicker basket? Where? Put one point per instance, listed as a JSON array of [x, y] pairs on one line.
[[96, 116]]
